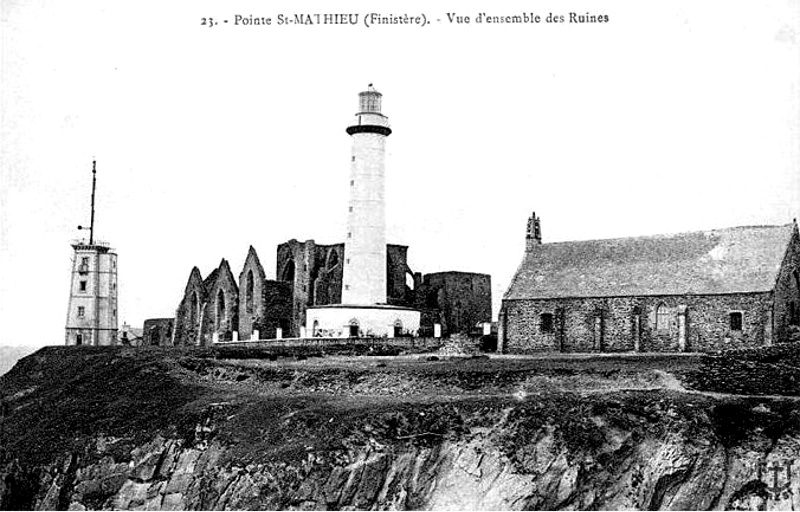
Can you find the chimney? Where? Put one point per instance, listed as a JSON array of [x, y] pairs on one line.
[[533, 236]]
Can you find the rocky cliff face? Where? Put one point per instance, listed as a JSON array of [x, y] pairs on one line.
[[210, 434]]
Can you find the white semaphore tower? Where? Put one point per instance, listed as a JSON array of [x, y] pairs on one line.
[[364, 273], [364, 311], [92, 309]]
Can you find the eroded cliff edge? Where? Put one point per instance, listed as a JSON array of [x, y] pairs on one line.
[[152, 429]]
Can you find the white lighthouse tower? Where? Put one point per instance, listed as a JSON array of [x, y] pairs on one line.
[[364, 273], [364, 311], [92, 309]]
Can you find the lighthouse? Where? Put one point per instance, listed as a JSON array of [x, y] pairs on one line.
[[364, 273], [364, 311]]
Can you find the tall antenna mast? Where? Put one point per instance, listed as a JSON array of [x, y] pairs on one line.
[[94, 185]]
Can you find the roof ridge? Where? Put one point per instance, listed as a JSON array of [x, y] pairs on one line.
[[671, 235], [729, 260]]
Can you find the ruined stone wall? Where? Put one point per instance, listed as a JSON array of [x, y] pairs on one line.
[[157, 332], [464, 298], [318, 272], [222, 308], [185, 331], [610, 324], [277, 304], [294, 263], [189, 311], [326, 275], [251, 295], [396, 270], [427, 318]]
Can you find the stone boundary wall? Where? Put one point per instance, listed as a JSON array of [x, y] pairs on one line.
[[773, 370], [460, 344], [315, 347], [777, 351]]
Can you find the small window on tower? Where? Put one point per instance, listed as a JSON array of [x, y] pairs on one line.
[[350, 208], [85, 261], [736, 321], [349, 235], [83, 286], [81, 311], [347, 287], [352, 182], [353, 158]]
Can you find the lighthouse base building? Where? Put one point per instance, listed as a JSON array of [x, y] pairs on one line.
[[347, 321]]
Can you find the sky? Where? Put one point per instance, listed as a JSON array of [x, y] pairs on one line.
[[672, 116]]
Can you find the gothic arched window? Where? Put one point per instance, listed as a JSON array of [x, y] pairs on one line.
[[248, 293], [220, 308], [333, 258], [288, 271], [194, 309]]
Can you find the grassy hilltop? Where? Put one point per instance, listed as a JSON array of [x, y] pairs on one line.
[[103, 427]]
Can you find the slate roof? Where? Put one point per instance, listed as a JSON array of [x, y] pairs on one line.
[[731, 260]]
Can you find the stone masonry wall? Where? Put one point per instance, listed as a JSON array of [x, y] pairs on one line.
[[277, 300], [396, 270], [222, 309], [326, 276], [318, 276], [251, 287], [303, 256], [576, 327], [464, 298], [187, 315], [786, 291], [157, 332]]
